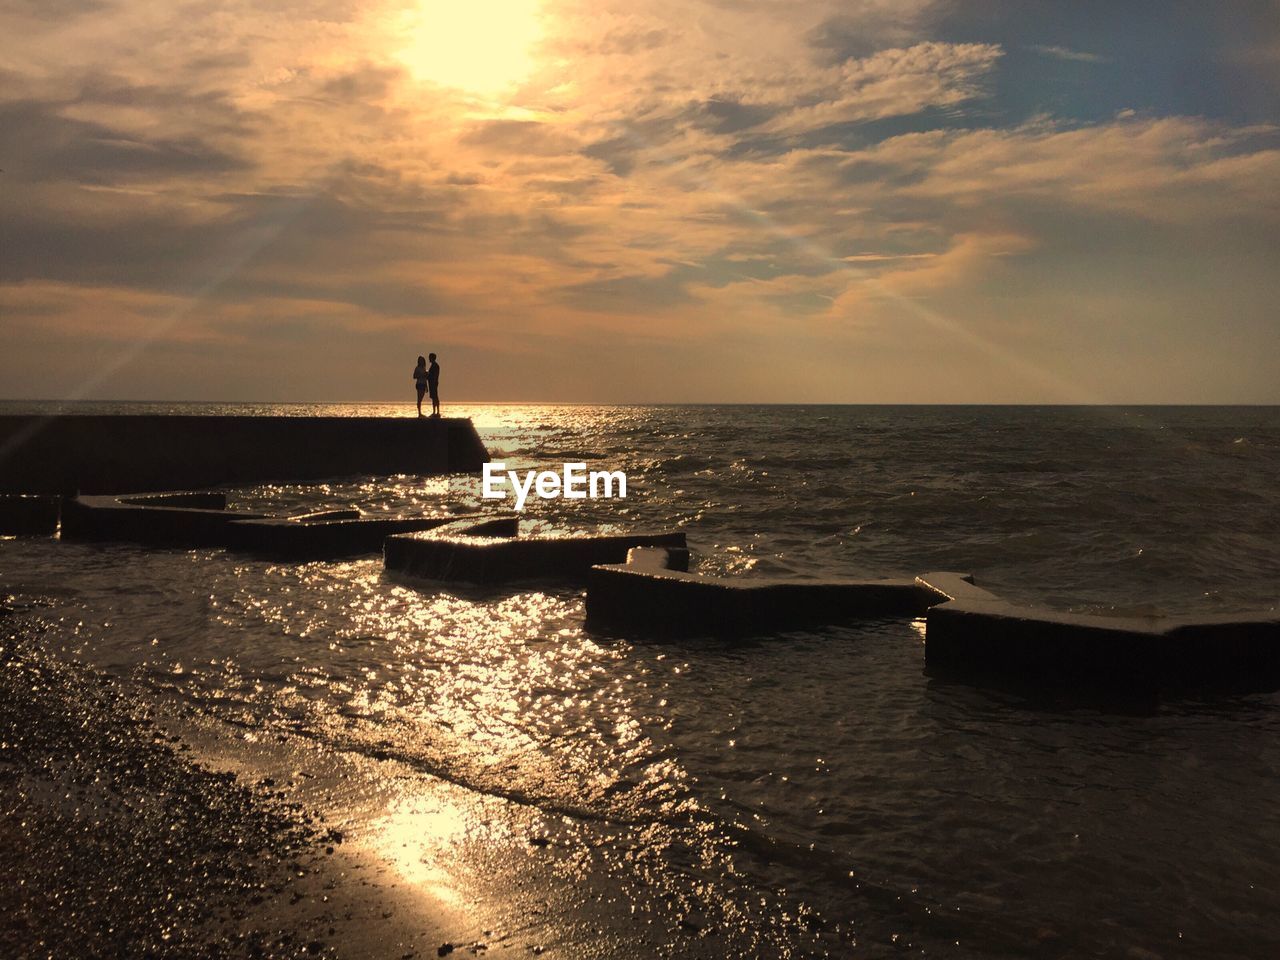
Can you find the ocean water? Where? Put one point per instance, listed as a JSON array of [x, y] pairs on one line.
[[813, 793]]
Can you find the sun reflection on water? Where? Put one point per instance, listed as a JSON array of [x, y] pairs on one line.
[[420, 836], [501, 691]]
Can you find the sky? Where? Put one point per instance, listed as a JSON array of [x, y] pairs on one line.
[[812, 201]]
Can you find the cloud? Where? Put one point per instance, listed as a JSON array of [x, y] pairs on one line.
[[55, 9], [889, 83], [1064, 53], [1165, 170], [518, 138], [860, 29], [56, 147], [797, 177], [966, 260]]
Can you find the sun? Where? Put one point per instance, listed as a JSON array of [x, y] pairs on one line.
[[482, 47]]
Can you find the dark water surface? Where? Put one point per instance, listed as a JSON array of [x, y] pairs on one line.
[[808, 793]]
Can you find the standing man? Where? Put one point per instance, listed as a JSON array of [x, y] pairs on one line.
[[433, 384]]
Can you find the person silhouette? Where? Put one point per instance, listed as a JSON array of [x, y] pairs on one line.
[[420, 379], [433, 384]]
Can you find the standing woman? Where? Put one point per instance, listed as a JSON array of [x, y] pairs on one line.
[[420, 378]]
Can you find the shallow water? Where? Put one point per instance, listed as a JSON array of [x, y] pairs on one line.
[[811, 791]]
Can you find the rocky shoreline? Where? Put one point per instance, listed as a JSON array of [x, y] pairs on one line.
[[113, 842]]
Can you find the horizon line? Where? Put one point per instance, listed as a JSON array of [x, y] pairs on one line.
[[669, 403]]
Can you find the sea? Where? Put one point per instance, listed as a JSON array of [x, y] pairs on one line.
[[809, 793]]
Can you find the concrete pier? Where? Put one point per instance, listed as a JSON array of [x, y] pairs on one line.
[[330, 538], [177, 519], [970, 632], [653, 594], [201, 519], [28, 515], [446, 555], [72, 453], [976, 637]]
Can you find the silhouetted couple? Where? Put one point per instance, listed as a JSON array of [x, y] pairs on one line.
[[428, 378]]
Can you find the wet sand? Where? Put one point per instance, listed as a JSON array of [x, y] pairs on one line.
[[116, 841], [132, 825]]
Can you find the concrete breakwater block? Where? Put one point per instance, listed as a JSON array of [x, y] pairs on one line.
[[22, 515], [649, 595], [658, 558], [326, 536], [318, 515], [947, 585], [447, 555], [201, 519], [976, 633], [97, 454], [186, 519], [970, 631]]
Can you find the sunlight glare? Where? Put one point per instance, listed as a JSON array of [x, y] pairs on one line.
[[484, 47]]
